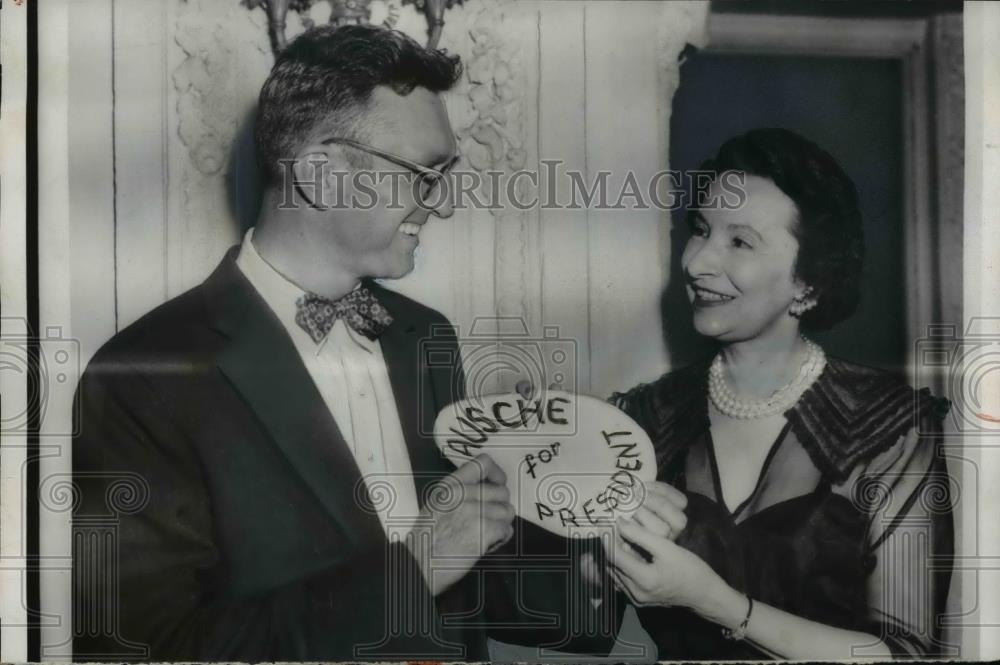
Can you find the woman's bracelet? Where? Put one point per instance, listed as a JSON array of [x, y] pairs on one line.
[[740, 632]]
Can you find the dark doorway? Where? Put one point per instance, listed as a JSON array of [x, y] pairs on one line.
[[852, 107]]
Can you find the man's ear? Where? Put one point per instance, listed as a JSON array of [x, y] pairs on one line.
[[315, 169]]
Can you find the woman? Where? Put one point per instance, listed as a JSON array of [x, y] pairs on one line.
[[818, 514]]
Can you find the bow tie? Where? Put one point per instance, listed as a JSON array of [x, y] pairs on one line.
[[359, 309]]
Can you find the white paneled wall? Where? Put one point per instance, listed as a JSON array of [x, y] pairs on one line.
[[980, 623]]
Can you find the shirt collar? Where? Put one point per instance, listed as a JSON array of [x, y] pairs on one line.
[[282, 294]]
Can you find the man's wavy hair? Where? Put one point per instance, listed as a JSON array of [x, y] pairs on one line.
[[828, 228], [324, 81]]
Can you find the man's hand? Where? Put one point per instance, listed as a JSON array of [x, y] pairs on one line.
[[467, 515]]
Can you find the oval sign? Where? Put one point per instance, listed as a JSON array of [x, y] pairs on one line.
[[574, 463]]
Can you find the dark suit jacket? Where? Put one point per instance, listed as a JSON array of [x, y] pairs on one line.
[[220, 514]]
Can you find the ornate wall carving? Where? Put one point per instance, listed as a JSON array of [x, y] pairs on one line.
[[492, 112], [210, 80], [490, 118]]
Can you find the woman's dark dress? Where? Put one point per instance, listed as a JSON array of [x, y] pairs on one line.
[[850, 522]]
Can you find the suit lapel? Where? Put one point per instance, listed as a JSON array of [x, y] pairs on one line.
[[263, 365]]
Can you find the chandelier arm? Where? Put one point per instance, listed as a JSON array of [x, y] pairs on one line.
[[345, 12], [277, 10]]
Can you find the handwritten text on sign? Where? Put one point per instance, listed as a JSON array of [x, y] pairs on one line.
[[572, 461]]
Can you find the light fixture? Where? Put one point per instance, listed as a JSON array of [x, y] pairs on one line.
[[347, 12]]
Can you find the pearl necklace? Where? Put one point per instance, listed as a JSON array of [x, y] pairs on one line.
[[729, 404]]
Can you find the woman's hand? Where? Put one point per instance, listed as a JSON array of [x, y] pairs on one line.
[[662, 510], [675, 576]]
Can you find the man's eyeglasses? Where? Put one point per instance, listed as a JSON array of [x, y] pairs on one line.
[[429, 179]]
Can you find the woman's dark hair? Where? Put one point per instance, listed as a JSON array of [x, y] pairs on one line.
[[828, 227], [327, 76]]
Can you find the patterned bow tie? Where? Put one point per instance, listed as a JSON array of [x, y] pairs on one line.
[[360, 309]]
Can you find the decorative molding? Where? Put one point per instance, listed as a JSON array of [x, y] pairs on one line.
[[494, 115], [211, 81], [490, 119], [799, 35], [949, 124], [919, 221], [218, 57], [142, 96]]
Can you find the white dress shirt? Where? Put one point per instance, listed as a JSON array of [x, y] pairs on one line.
[[350, 373]]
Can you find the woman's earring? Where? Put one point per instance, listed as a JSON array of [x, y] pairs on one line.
[[801, 304]]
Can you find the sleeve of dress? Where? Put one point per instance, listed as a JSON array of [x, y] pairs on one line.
[[910, 542], [630, 402]]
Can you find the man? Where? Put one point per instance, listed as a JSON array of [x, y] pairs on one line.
[[256, 480], [259, 419]]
